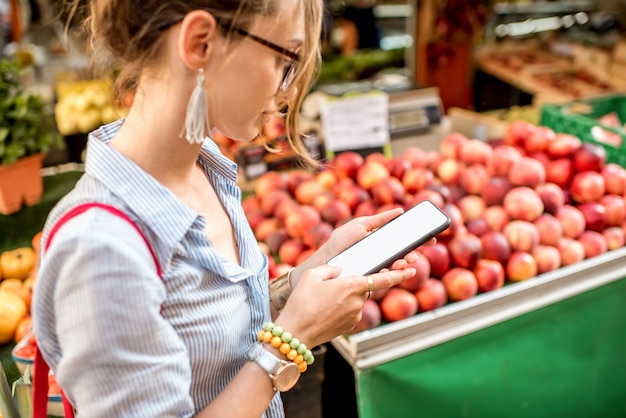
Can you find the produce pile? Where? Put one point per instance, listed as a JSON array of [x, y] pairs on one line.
[[521, 206]]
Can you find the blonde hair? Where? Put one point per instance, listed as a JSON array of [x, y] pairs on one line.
[[128, 35]]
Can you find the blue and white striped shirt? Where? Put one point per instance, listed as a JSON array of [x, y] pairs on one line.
[[123, 342]]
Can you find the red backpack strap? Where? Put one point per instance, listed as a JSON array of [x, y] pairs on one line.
[[41, 368]]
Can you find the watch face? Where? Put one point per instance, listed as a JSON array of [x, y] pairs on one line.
[[287, 377]]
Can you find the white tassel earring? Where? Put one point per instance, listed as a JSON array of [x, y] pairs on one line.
[[197, 117]]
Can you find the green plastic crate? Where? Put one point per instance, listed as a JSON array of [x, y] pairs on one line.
[[579, 117]]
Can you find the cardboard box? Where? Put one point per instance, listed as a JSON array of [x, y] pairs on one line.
[[619, 52], [595, 60]]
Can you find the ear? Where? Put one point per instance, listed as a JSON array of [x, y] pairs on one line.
[[198, 31]]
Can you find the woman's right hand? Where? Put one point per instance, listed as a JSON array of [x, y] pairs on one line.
[[321, 308]]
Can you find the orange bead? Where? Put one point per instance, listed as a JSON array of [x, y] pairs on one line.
[[299, 359], [260, 335], [284, 348], [267, 337], [292, 354], [302, 366], [276, 342]]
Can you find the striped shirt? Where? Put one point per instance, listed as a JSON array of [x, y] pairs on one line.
[[123, 342]]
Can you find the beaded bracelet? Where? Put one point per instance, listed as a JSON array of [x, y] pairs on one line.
[[287, 345]]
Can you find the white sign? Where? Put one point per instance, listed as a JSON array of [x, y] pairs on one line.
[[356, 121]]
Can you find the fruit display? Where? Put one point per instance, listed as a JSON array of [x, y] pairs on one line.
[[526, 204]]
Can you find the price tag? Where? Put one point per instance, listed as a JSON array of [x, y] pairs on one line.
[[356, 121]]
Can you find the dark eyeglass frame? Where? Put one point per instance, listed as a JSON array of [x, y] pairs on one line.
[[290, 70]]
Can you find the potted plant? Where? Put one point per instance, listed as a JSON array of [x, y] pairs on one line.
[[27, 132]]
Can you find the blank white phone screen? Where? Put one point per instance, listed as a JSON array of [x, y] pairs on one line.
[[391, 241]]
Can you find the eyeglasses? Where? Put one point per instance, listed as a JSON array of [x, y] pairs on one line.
[[291, 69]]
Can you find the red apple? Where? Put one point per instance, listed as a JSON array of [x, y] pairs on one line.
[[398, 304], [422, 273], [614, 178], [587, 186], [496, 247], [371, 317], [523, 203], [552, 197], [431, 296], [589, 157], [522, 235], [438, 257], [460, 284], [594, 243], [489, 275], [494, 190], [346, 164], [520, 266], [572, 251], [547, 257], [527, 172], [550, 229], [465, 250], [503, 158], [572, 220]]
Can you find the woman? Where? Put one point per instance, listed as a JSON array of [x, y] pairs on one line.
[[124, 342]]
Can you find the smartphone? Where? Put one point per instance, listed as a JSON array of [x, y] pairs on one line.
[[392, 241]]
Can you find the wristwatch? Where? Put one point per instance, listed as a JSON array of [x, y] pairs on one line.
[[283, 374]]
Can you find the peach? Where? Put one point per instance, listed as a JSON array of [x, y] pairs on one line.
[[317, 235], [550, 229], [494, 190], [614, 178], [539, 139], [503, 158], [496, 217], [471, 206], [371, 317], [594, 243], [397, 167], [415, 156], [449, 170], [255, 217], [615, 209], [284, 207], [465, 251], [365, 208], [296, 177], [518, 132], [307, 191], [495, 247], [352, 195], [527, 172], [422, 273], [563, 146], [615, 238], [370, 173], [416, 178], [431, 295], [265, 227], [547, 257], [346, 164], [523, 203], [474, 178], [587, 186], [275, 239], [589, 157], [426, 194], [270, 200], [335, 211], [476, 151], [438, 257], [460, 284], [559, 171], [268, 181], [327, 178], [388, 190], [572, 220], [304, 255], [489, 275], [522, 235], [595, 215], [477, 226], [520, 266], [398, 304], [300, 219], [450, 145], [322, 199], [552, 197], [378, 157], [251, 203], [571, 250], [290, 250]]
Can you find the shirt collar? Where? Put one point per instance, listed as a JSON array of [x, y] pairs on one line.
[[148, 199]]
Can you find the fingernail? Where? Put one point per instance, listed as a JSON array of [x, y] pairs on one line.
[[413, 271]]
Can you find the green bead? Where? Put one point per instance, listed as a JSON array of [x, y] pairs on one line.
[[268, 326], [286, 337], [294, 343], [307, 355], [310, 361], [301, 349], [277, 331]]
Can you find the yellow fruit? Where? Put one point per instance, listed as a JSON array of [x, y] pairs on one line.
[[12, 310], [18, 263]]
